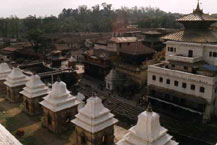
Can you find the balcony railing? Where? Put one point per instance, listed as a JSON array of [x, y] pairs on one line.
[[184, 58]]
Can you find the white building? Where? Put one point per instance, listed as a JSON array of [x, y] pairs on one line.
[[109, 79], [188, 78], [147, 131], [6, 138]]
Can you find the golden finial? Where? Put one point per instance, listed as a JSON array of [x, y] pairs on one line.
[[198, 10], [58, 79], [149, 108], [94, 94]]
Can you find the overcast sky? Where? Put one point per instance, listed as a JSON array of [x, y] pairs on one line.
[[23, 8]]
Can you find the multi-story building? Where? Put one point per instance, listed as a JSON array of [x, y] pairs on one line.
[[188, 78]]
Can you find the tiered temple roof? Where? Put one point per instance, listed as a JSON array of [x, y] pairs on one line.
[[147, 131], [4, 71], [34, 87], [6, 138], [94, 116], [197, 28], [16, 78], [59, 98]]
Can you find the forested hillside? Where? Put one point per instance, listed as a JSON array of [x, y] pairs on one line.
[[99, 18]]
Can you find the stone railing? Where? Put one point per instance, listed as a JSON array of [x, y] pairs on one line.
[[184, 58]]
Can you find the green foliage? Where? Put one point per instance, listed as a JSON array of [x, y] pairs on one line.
[[99, 18]]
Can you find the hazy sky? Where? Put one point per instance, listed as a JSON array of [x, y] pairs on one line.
[[23, 8]]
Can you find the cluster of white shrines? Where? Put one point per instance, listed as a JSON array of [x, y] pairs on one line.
[[94, 124]]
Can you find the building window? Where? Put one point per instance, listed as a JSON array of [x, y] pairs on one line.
[[210, 54], [49, 119], [192, 87], [174, 49], [168, 81], [153, 77], [176, 83], [171, 49], [216, 90], [202, 89], [120, 45], [214, 54], [161, 79], [173, 65], [184, 85], [185, 68]]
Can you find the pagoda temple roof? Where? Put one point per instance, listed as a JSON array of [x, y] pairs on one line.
[[197, 15], [197, 28], [34, 88], [4, 71], [16, 78], [94, 117], [147, 131], [59, 98], [199, 36]]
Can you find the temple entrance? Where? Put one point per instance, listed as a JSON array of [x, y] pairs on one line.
[[104, 140], [83, 139], [49, 122], [190, 53], [27, 105]]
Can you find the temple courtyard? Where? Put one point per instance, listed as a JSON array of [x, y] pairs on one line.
[[12, 117]]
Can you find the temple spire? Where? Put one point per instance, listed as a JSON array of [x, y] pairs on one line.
[[198, 10], [149, 108]]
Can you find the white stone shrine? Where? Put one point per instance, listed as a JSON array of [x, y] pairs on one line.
[[15, 82], [109, 79], [33, 93], [59, 107], [4, 71], [94, 123], [147, 131]]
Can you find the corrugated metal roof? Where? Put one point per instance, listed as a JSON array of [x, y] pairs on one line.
[[123, 39]]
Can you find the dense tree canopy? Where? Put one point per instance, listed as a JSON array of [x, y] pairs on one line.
[[99, 18]]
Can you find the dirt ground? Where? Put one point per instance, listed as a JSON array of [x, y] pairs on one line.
[[12, 117]]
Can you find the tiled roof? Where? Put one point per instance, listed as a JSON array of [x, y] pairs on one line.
[[136, 49], [197, 17], [62, 47], [202, 36]]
